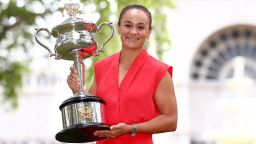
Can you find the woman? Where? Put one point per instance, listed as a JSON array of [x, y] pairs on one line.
[[137, 88]]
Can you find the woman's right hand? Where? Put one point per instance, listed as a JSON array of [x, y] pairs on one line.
[[73, 80]]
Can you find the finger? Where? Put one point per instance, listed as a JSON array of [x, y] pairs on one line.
[[114, 127], [102, 133], [119, 125], [73, 69], [73, 84], [72, 81], [73, 76]]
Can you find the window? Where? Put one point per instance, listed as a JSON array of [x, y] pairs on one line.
[[227, 54]]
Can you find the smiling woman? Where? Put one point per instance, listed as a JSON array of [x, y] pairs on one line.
[[137, 88], [134, 27]]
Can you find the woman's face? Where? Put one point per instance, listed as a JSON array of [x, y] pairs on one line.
[[134, 29]]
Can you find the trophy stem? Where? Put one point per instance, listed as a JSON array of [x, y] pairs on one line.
[[79, 65]]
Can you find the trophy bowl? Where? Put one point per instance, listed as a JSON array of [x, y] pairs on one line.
[[83, 113], [81, 116], [75, 33]]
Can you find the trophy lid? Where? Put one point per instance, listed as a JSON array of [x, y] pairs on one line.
[[73, 22]]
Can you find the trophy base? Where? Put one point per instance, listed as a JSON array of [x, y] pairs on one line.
[[80, 133]]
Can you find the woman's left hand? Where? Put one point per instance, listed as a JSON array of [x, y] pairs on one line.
[[115, 131]]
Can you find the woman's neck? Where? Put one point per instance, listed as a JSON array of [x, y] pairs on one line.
[[128, 56]]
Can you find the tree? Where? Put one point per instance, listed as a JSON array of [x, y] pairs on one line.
[[17, 18]]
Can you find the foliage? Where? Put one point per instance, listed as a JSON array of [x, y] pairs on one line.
[[17, 18]]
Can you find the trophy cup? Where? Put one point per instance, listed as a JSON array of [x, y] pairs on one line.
[[83, 113]]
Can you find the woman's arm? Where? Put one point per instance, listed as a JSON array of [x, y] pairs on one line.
[[167, 106], [92, 89]]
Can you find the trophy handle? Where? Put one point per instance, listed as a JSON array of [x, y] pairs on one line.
[[39, 42], [109, 24]]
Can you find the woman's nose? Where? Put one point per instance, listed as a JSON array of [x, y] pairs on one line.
[[133, 30]]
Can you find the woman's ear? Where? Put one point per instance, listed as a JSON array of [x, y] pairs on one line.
[[118, 29], [149, 33]]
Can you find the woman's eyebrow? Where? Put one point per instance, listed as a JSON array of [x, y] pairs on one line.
[[140, 23], [127, 22]]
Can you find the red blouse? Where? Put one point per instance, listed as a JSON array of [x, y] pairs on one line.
[[133, 100]]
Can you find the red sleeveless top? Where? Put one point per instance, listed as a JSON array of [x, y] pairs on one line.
[[133, 100]]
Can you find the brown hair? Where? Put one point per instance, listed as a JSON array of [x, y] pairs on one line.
[[135, 6]]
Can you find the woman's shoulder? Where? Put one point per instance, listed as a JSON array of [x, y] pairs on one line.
[[159, 65]]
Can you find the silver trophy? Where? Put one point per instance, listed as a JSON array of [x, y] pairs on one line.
[[83, 113]]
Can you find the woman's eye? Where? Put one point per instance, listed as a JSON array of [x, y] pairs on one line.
[[127, 25], [141, 28]]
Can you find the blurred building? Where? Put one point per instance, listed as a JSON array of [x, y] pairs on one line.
[[214, 70], [214, 59]]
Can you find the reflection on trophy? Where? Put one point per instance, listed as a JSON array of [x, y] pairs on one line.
[[83, 113]]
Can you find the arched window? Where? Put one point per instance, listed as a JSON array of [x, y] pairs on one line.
[[229, 53]]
